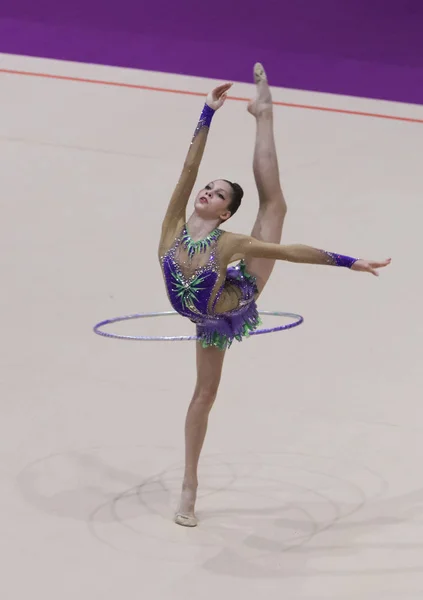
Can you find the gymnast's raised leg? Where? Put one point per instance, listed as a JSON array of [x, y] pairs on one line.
[[272, 207]]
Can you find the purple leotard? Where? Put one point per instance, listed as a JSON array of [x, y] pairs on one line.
[[191, 297]]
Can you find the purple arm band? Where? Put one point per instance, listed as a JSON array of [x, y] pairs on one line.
[[342, 261], [205, 118]]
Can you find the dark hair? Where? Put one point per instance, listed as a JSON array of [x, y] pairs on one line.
[[237, 194]]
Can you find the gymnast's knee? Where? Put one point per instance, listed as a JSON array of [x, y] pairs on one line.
[[278, 203], [205, 395], [273, 206]]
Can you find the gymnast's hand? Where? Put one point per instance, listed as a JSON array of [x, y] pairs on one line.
[[370, 266], [217, 97]]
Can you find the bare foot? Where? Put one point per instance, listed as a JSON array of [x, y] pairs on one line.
[[185, 515], [262, 103]]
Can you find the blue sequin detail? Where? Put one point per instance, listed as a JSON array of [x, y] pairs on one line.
[[205, 118], [342, 261]]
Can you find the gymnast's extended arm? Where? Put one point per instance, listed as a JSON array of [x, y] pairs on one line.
[[175, 215], [245, 246]]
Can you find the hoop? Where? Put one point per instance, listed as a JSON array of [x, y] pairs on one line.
[[298, 319]]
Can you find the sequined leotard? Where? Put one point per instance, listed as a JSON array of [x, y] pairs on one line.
[[200, 283], [222, 311]]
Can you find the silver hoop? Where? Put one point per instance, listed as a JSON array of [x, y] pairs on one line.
[[298, 319]]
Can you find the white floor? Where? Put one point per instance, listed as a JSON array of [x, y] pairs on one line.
[[312, 484]]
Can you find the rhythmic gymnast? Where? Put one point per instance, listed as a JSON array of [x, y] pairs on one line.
[[195, 257]]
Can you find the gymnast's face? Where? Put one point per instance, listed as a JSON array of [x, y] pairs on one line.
[[212, 202]]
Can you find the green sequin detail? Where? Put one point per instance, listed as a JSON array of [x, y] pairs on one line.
[[201, 245], [223, 342], [245, 273], [187, 291]]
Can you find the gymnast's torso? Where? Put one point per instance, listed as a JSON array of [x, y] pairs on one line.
[[218, 298], [199, 283]]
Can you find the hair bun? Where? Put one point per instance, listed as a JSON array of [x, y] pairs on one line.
[[237, 195]]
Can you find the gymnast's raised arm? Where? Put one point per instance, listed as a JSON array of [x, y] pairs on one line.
[[175, 215], [244, 247]]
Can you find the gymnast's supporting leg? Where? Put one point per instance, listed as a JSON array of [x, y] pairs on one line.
[[272, 207], [209, 371]]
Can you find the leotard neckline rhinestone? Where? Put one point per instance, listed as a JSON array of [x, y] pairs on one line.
[[196, 247]]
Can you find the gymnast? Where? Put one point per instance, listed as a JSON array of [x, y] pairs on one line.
[[195, 256]]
